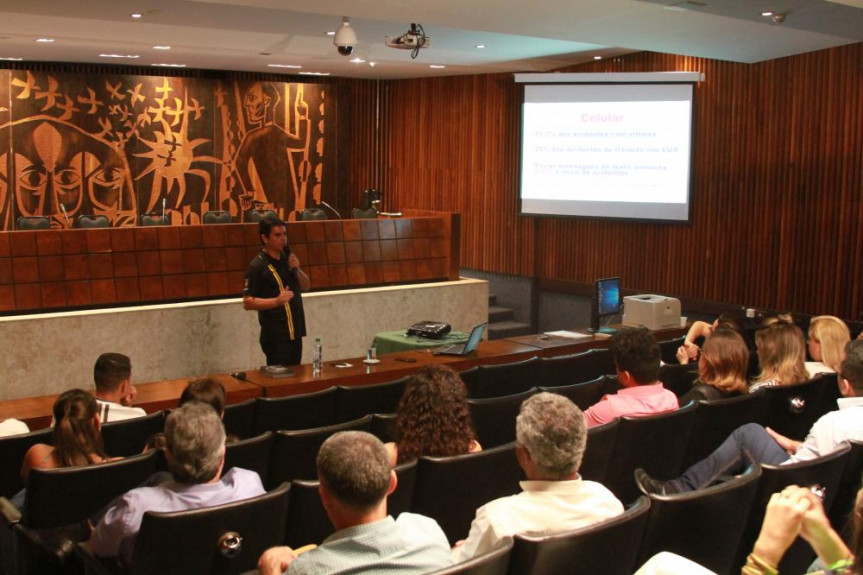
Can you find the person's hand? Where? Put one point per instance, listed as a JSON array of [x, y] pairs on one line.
[[293, 261], [275, 560], [691, 349], [789, 445], [285, 296], [782, 523], [682, 355]]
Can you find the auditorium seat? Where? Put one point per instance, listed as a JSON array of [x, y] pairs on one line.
[[703, 525], [355, 401], [846, 494], [153, 219], [609, 547], [294, 452], [13, 448], [494, 562], [364, 214], [33, 223], [668, 349], [217, 217], [494, 417], [825, 471], [129, 436], [253, 453], [598, 452], [306, 411], [450, 489], [311, 214], [504, 379], [86, 221], [255, 216], [792, 409], [469, 376], [678, 378], [240, 419], [656, 443], [586, 393], [716, 420], [575, 368], [223, 539], [383, 427]]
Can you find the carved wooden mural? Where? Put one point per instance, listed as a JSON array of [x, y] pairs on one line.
[[123, 146]]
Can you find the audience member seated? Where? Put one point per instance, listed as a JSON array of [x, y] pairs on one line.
[[637, 361], [689, 351], [76, 437], [13, 426], [195, 453], [722, 368], [781, 354], [798, 511], [827, 338], [752, 443], [355, 478], [550, 439], [114, 390], [433, 417], [204, 390]]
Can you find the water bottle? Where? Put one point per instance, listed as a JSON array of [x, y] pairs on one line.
[[317, 358]]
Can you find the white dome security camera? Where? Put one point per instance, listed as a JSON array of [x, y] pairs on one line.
[[345, 38]]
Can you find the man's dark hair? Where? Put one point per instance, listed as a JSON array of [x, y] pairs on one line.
[[111, 370], [355, 467], [268, 223], [635, 350], [206, 390], [852, 366]]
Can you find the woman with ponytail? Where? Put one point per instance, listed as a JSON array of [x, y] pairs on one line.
[[77, 437]]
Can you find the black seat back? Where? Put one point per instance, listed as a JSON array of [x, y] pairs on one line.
[[240, 419], [356, 401], [585, 393], [668, 349], [129, 436], [609, 547], [451, 489], [217, 217], [792, 409], [494, 417], [493, 562], [295, 452], [12, 451], [504, 379], [575, 368], [88, 221], [226, 539], [253, 454], [33, 223], [296, 412], [718, 418], [599, 450], [678, 378], [656, 443], [383, 427], [57, 497], [704, 525]]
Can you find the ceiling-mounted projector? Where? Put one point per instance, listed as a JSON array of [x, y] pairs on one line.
[[413, 39]]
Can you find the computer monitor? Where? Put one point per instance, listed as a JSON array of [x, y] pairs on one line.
[[606, 302]]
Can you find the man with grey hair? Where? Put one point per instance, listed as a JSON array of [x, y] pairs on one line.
[[551, 436], [195, 452], [355, 479]]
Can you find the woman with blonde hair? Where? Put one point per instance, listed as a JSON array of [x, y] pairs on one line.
[[722, 367], [827, 338], [781, 354]]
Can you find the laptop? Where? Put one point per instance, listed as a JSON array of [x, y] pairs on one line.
[[464, 348]]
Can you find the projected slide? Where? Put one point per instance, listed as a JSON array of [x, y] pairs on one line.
[[620, 150]]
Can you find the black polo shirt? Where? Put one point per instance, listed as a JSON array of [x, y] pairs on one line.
[[264, 279]]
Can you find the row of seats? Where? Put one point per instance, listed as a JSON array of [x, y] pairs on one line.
[[151, 219]]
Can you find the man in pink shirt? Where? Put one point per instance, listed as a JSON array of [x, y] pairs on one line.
[[636, 358]]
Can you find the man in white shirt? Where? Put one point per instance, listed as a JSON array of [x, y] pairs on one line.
[[114, 390], [753, 443], [551, 436]]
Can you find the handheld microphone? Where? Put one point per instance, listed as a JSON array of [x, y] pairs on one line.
[[65, 215], [241, 375]]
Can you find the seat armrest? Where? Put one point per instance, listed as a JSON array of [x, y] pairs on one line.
[[94, 565], [11, 514]]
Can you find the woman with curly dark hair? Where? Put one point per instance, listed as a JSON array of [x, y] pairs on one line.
[[433, 418]]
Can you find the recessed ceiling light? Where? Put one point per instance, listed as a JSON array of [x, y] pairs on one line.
[[767, 13], [137, 15], [357, 60], [292, 66], [372, 64], [314, 73], [597, 57], [133, 56], [480, 46], [161, 47], [437, 66], [170, 65], [11, 59], [45, 40]]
